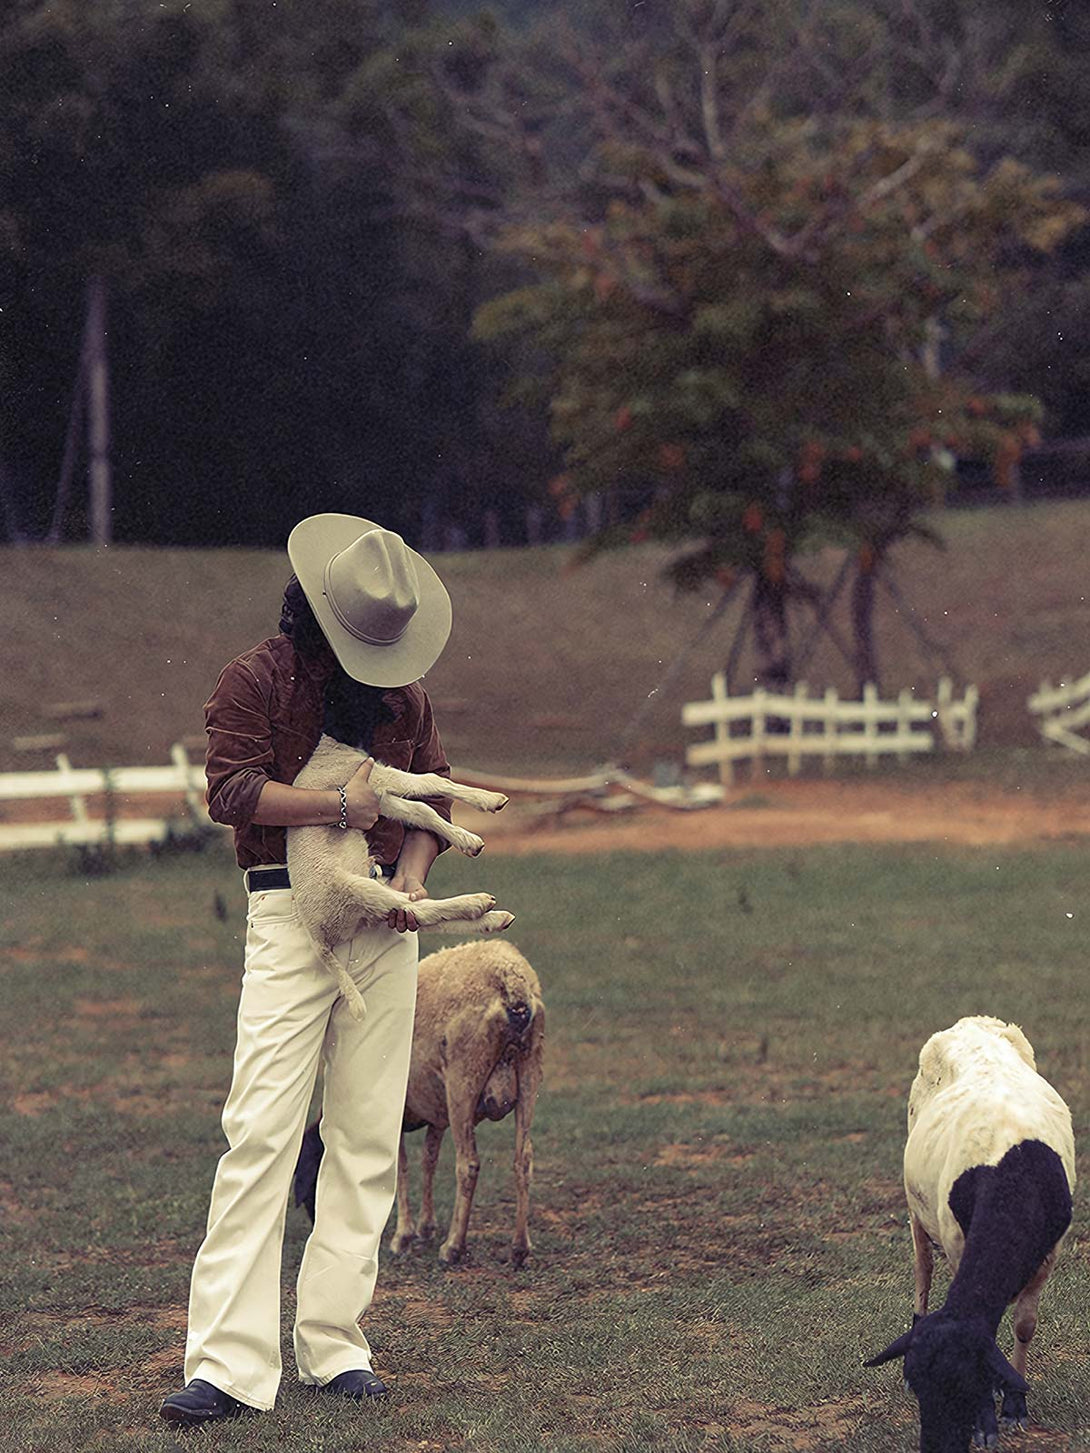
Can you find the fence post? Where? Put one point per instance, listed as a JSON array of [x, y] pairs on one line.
[[194, 798], [758, 729], [831, 728], [722, 731], [904, 720], [78, 804], [947, 729], [794, 756], [871, 746]]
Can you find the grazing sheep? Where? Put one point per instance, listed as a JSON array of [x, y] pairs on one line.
[[989, 1170], [478, 1044], [332, 872]]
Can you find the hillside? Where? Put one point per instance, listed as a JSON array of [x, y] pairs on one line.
[[546, 664]]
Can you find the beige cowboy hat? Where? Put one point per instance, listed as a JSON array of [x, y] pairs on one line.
[[380, 605]]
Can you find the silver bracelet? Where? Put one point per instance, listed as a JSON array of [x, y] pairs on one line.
[[343, 824]]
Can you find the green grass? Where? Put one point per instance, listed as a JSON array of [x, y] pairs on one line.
[[567, 656], [719, 1229]]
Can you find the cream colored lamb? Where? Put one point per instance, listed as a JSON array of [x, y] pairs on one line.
[[332, 871], [478, 1051]]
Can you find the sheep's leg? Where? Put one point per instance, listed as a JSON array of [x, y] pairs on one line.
[[420, 815], [433, 1140], [462, 1093], [529, 1079], [372, 902], [430, 784], [1013, 1412], [494, 922], [405, 1234], [924, 1265]]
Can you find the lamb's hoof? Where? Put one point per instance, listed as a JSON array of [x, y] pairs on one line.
[[450, 1253], [1013, 1425], [469, 843], [426, 1232], [981, 1439], [402, 1243], [501, 803], [519, 1253], [495, 922]]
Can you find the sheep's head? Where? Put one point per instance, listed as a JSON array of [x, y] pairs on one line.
[[953, 1367]]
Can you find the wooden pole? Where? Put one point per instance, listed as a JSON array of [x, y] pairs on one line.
[[98, 415]]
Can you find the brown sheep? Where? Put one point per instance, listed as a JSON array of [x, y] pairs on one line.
[[478, 1043]]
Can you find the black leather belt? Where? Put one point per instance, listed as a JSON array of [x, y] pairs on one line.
[[260, 880]]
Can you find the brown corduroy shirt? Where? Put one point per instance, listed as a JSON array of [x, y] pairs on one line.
[[263, 721]]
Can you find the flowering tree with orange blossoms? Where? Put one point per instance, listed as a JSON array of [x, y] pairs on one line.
[[762, 368]]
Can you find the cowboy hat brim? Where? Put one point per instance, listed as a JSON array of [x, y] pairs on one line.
[[311, 546]]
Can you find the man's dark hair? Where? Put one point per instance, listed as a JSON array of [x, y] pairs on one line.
[[352, 709], [297, 620]]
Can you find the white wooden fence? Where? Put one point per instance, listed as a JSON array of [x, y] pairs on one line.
[[182, 779], [1062, 711], [825, 727]]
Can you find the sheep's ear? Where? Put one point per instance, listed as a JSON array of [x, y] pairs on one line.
[[1004, 1375], [895, 1349]]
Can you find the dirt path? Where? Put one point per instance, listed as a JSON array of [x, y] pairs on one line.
[[785, 813], [801, 813]]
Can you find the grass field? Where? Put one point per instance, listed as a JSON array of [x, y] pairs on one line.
[[720, 1234], [546, 667]]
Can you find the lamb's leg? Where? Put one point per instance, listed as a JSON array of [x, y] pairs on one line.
[[924, 1265], [420, 815], [430, 784], [529, 1080], [1013, 1412], [433, 1141], [462, 1092], [494, 922], [371, 902], [405, 1234]]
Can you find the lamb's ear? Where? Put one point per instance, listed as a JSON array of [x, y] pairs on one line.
[[895, 1349], [1005, 1378]]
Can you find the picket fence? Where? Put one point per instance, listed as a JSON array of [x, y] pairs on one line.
[[1061, 712], [181, 780], [766, 724]]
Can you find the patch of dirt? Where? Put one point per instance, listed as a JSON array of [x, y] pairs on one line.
[[58, 1386], [799, 1428], [107, 1008], [34, 1103], [800, 813], [686, 1155]]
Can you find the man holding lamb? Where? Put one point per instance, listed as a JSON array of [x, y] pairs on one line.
[[364, 618]]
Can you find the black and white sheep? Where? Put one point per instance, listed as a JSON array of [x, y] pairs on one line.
[[989, 1170]]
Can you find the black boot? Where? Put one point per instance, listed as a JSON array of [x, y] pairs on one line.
[[358, 1383], [198, 1403]]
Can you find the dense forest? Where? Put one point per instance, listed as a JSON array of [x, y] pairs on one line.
[[457, 269]]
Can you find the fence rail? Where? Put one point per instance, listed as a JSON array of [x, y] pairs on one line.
[[768, 724], [181, 778], [1062, 711]]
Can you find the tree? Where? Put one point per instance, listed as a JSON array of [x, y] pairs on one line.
[[742, 303]]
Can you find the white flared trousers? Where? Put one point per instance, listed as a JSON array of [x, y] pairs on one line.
[[291, 1019]]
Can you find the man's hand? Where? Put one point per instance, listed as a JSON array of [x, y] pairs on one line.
[[404, 919], [362, 798]]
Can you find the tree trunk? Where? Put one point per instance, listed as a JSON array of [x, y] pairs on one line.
[[863, 601], [770, 633]]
